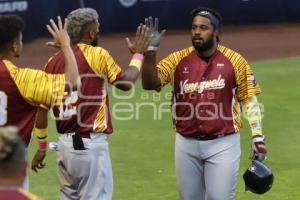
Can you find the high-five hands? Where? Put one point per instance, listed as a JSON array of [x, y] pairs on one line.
[[147, 37], [59, 33], [141, 40], [155, 35]]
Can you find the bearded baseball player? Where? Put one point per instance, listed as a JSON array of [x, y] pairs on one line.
[[83, 120], [211, 83]]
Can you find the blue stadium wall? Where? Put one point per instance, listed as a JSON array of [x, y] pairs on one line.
[[125, 15]]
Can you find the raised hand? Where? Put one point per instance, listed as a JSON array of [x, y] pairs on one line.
[[59, 33], [155, 35], [141, 40]]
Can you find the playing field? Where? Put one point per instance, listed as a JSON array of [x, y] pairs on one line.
[[142, 146]]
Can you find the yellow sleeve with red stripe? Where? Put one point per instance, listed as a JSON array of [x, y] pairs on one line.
[[101, 62], [29, 195], [167, 66], [247, 86], [253, 114], [37, 87]]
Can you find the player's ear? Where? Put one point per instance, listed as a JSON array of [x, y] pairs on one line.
[[92, 34], [217, 34], [14, 47]]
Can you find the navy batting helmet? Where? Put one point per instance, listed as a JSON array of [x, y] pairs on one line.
[[258, 178]]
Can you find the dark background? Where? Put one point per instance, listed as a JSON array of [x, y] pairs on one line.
[[173, 14]]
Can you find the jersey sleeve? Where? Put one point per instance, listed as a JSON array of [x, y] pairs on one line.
[[166, 67], [102, 63], [37, 87], [247, 85], [165, 70]]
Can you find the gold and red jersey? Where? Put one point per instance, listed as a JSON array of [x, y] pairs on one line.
[[16, 194], [206, 95], [24, 89], [86, 110]]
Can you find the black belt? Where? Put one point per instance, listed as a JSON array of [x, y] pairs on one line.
[[201, 136], [77, 142]]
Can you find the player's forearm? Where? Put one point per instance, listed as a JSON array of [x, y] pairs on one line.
[[128, 77], [253, 114], [150, 79], [131, 73], [71, 69], [41, 120], [40, 128]]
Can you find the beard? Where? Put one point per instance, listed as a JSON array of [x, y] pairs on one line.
[[204, 45], [94, 43], [17, 54]]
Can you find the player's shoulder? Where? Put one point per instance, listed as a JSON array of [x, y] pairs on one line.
[[14, 70], [9, 65], [17, 194], [234, 57], [28, 195], [183, 52], [89, 49], [178, 55], [56, 56]]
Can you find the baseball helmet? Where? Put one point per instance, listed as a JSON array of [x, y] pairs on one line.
[[258, 178]]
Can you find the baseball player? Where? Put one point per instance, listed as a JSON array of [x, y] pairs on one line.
[[12, 166], [22, 90], [83, 120], [210, 84]]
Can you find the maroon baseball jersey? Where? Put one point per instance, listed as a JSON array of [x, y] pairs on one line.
[[86, 110], [16, 194], [206, 95], [21, 90]]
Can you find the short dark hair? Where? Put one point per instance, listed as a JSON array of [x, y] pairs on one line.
[[213, 12], [10, 28]]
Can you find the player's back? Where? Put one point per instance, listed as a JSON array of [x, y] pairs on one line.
[[14, 110], [85, 110]]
